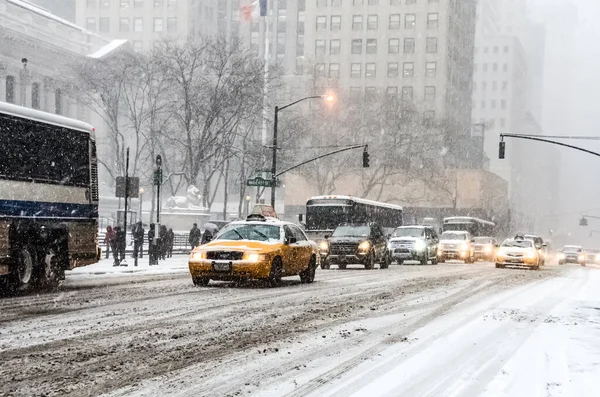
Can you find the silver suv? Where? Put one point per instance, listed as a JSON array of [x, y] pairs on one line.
[[413, 243]]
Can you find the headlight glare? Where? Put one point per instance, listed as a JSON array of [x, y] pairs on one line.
[[324, 246], [253, 257], [420, 245], [364, 246], [488, 249], [464, 246], [198, 255]]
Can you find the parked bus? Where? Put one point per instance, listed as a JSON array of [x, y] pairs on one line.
[[48, 197], [475, 226], [325, 213]]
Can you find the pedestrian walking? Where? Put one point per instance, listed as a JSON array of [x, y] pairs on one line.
[[210, 231], [170, 242], [121, 238], [108, 240], [138, 242], [195, 235], [162, 246], [152, 246]]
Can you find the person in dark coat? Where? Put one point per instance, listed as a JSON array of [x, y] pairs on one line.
[[109, 239], [152, 245], [120, 245], [170, 242], [210, 231], [138, 241], [162, 244], [195, 235]]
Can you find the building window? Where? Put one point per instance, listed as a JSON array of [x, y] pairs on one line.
[[409, 2], [483, 86], [506, 49], [505, 67], [138, 46], [394, 2], [124, 25], [392, 92], [158, 3], [171, 4], [357, 22], [429, 94], [320, 70], [321, 3], [138, 3], [432, 20], [409, 46], [504, 85], [321, 23], [90, 4], [334, 70], [319, 47], [503, 104], [394, 21], [371, 46], [138, 24], [336, 22], [334, 46], [372, 22], [373, 2], [124, 3], [172, 24], [431, 45], [299, 65], [10, 89], [357, 2], [357, 46], [104, 24], [370, 70], [336, 3], [355, 70], [493, 104], [483, 104], [485, 67], [158, 24], [355, 91], [495, 67], [494, 86], [90, 24], [430, 69], [35, 95], [392, 69], [104, 3], [410, 21], [393, 46], [407, 94], [496, 49], [58, 101], [409, 69]]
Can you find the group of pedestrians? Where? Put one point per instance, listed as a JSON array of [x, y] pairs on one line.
[[160, 243]]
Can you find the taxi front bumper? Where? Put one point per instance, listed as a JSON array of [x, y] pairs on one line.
[[229, 270]]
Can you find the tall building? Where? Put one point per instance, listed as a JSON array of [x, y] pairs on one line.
[[61, 8], [143, 22]]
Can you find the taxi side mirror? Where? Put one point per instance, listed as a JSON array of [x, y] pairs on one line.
[[291, 240], [544, 245], [326, 236]]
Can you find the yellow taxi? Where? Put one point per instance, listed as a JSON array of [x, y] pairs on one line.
[[257, 248]]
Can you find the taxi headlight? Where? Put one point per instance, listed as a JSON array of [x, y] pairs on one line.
[[198, 255], [253, 257], [324, 246], [364, 246], [532, 254], [464, 246], [420, 245]]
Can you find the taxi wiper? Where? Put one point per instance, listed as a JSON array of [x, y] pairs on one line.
[[261, 234], [238, 233]]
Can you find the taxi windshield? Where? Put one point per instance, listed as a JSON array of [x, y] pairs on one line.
[[249, 231]]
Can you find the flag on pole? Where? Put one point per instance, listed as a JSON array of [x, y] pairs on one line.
[[254, 10]]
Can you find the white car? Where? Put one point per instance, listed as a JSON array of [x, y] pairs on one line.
[[456, 245], [518, 252]]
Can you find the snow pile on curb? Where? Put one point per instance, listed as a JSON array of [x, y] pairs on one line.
[[176, 264]]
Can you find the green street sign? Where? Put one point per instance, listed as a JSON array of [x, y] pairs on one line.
[[258, 181]]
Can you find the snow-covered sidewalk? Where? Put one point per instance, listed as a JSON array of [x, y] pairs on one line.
[[176, 264]]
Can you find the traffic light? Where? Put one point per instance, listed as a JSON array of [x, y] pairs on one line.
[[365, 159], [583, 222], [502, 150]]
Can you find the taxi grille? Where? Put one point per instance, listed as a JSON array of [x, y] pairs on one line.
[[225, 255]]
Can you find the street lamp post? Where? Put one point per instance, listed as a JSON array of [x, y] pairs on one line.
[[158, 182], [141, 202], [329, 98]]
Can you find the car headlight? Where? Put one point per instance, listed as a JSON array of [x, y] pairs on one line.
[[420, 245], [561, 256], [253, 257], [488, 249], [324, 246], [581, 257], [364, 246], [464, 246], [532, 254], [198, 255]]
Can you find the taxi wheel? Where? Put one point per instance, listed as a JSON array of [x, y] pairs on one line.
[[200, 281], [307, 276], [276, 271]]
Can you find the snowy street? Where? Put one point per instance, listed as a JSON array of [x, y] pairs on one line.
[[452, 329]]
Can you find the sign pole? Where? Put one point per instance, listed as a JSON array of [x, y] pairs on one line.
[[158, 183], [126, 205]]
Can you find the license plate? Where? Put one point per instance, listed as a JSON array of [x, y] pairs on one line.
[[3, 270], [222, 266]]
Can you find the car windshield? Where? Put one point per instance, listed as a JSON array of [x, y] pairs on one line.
[[250, 231], [351, 231], [518, 243], [572, 249], [453, 236], [483, 240], [408, 232]]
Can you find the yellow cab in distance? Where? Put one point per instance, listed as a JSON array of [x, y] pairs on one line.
[[257, 248]]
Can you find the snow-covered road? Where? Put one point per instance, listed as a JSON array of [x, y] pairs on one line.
[[447, 330]]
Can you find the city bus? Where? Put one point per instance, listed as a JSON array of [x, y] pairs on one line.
[[48, 197], [475, 226], [325, 213]]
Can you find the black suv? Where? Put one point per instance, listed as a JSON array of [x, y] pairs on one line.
[[356, 243]]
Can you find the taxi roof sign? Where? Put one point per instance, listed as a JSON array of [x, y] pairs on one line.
[[265, 210]]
